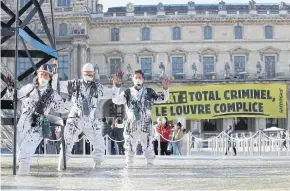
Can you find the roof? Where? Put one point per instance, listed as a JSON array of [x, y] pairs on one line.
[[198, 7]]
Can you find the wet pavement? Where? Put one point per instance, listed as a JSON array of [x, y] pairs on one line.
[[168, 173]]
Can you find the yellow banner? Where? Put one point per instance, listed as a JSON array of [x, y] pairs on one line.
[[224, 101]]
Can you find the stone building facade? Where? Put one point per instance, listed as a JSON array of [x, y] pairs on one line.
[[200, 43]]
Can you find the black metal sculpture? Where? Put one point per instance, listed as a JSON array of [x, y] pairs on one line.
[[21, 31]]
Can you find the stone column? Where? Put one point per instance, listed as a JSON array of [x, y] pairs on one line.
[[83, 55], [70, 66], [288, 106], [260, 124], [74, 65], [226, 123]]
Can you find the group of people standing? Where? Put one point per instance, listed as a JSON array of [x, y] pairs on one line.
[[170, 137], [83, 97]]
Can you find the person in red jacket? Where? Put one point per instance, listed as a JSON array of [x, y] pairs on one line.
[[164, 130]]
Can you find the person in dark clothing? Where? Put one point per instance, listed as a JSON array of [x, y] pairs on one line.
[[107, 130], [284, 142], [230, 131], [117, 134]]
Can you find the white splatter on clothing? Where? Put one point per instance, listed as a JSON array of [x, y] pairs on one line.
[[84, 98], [138, 125], [35, 103]]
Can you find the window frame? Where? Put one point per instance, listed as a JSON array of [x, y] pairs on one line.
[[147, 58], [115, 38], [238, 36], [62, 68], [147, 34], [60, 27], [110, 65], [62, 4], [272, 32], [174, 35], [204, 33], [245, 59], [172, 69], [203, 64]]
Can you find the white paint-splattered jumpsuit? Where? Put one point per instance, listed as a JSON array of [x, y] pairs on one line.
[[138, 125], [81, 116], [29, 129]]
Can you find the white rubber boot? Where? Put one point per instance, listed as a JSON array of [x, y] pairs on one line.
[[97, 164], [24, 168], [60, 164], [130, 161], [149, 162]]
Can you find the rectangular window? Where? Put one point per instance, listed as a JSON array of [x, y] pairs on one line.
[[210, 125], [271, 122], [146, 67], [145, 34], [208, 65], [63, 63], [23, 65], [177, 67], [115, 34], [270, 66], [115, 64], [63, 3], [268, 32], [241, 124], [239, 62], [238, 32]]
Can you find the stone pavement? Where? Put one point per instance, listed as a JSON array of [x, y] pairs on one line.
[[168, 173]]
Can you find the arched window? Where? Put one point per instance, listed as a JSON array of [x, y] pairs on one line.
[[145, 33], [115, 34], [176, 33], [268, 32], [63, 29], [207, 33], [238, 32]]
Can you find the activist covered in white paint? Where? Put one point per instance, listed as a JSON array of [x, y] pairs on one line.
[[37, 101], [84, 95], [138, 101]]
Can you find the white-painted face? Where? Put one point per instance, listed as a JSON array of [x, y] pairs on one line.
[[43, 78], [138, 80]]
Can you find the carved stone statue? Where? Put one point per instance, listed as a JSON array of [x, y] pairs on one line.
[[191, 6], [222, 6], [161, 70], [97, 72], [160, 7], [282, 6], [99, 8], [259, 68], [194, 71], [227, 70], [130, 8], [252, 5], [129, 72]]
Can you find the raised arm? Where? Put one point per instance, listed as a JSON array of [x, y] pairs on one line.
[[164, 95], [20, 93], [160, 97], [119, 99], [107, 93], [62, 86]]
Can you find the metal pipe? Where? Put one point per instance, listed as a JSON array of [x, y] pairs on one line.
[[15, 87]]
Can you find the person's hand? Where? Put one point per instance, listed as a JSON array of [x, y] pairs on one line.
[[55, 66], [165, 83], [117, 81], [9, 82]]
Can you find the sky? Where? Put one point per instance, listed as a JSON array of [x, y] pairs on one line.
[[117, 3]]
